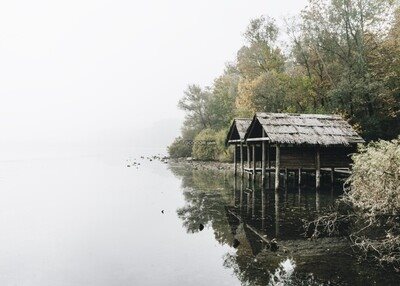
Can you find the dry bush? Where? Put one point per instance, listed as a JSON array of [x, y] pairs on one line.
[[371, 204]]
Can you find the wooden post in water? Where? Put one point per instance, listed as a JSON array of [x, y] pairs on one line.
[[254, 161], [277, 165], [241, 159], [248, 159], [332, 175], [234, 159], [286, 177], [299, 179], [318, 169], [263, 163]]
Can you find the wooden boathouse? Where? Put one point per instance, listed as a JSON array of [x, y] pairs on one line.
[[298, 142], [235, 137]]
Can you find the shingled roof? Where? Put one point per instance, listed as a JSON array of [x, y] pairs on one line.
[[314, 129], [238, 129]]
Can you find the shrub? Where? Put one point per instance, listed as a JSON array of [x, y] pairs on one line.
[[372, 201], [374, 193], [374, 185], [179, 148], [224, 154], [205, 145]]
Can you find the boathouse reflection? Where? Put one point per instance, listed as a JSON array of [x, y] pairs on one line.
[[247, 217]]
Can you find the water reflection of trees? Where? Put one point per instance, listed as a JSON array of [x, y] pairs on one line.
[[206, 195], [234, 208]]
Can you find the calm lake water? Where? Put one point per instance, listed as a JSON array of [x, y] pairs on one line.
[[94, 221]]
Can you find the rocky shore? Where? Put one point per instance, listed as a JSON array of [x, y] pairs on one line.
[[201, 165]]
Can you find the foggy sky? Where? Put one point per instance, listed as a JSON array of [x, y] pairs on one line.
[[88, 76]]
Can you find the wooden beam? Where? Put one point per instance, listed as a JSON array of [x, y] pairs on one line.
[[332, 175], [257, 139], [277, 166], [318, 168]]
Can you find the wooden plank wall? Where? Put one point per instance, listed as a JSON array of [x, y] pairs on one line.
[[295, 157]]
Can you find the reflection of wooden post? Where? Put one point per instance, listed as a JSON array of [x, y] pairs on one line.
[[263, 206], [318, 169], [299, 181], [241, 195], [254, 162], [299, 195], [253, 202], [277, 165], [234, 159], [241, 159], [263, 163], [286, 177], [332, 175], [276, 214]]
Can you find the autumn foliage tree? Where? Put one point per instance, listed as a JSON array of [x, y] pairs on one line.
[[342, 56]]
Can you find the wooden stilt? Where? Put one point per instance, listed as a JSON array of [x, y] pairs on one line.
[[235, 159], [263, 165], [241, 159], [254, 162], [332, 175], [318, 169], [277, 166], [248, 157]]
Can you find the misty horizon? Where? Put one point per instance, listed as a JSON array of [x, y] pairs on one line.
[[93, 76]]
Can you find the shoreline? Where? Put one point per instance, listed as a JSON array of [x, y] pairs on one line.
[[202, 165]]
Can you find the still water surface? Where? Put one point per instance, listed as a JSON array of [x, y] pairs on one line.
[[93, 221]]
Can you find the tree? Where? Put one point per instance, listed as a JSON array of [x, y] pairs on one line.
[[195, 103], [334, 48], [222, 102], [261, 65]]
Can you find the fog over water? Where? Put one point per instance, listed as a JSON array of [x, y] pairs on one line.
[[99, 76], [84, 86]]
